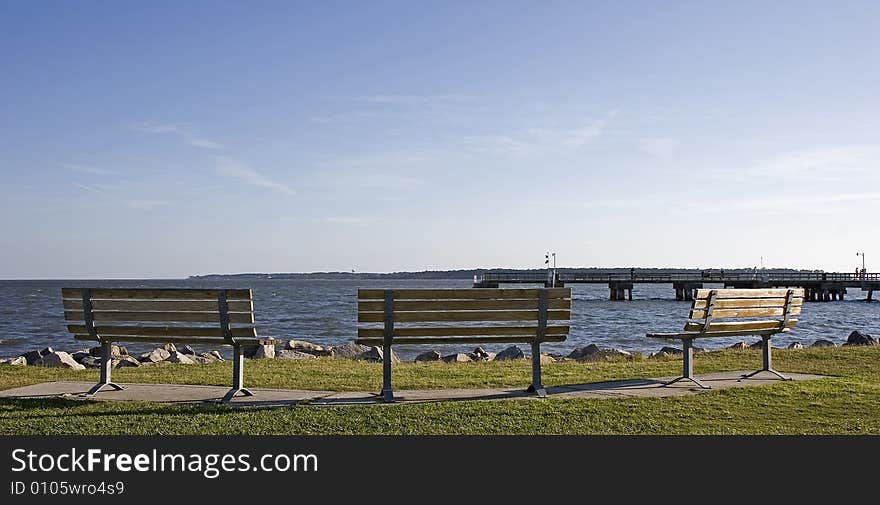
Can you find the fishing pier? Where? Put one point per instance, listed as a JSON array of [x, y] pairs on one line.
[[818, 286]]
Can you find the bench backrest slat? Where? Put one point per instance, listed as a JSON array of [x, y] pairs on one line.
[[464, 331], [140, 312], [162, 331], [481, 312], [744, 310], [462, 294], [158, 294], [160, 305], [463, 315]]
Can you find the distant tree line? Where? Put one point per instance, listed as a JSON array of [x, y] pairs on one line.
[[469, 274]]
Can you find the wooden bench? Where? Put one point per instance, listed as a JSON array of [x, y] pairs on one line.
[[459, 316], [185, 316], [737, 312]]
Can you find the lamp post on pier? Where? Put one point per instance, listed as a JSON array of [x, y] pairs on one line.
[[863, 264], [551, 273]]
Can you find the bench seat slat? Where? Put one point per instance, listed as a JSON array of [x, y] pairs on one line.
[[175, 317], [157, 294], [750, 312], [462, 294], [163, 331], [465, 315], [184, 340], [464, 331], [739, 325], [426, 305], [509, 339], [157, 305], [692, 334]]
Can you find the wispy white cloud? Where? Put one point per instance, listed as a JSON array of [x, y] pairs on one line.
[[532, 141], [392, 171], [840, 161], [405, 99], [580, 136], [133, 203], [146, 204], [778, 203], [243, 172], [660, 147], [88, 188], [350, 220], [84, 169], [185, 132], [594, 203]]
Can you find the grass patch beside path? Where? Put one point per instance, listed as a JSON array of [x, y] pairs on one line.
[[848, 403]]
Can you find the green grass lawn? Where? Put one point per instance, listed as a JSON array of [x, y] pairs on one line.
[[848, 402]]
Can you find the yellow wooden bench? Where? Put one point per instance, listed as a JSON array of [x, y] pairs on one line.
[[186, 316], [458, 316], [737, 312]]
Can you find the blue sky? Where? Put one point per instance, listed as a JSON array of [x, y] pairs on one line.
[[163, 139]]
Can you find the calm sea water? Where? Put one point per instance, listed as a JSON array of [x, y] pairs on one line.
[[324, 312]]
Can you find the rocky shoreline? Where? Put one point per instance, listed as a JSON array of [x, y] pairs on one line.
[[300, 349]]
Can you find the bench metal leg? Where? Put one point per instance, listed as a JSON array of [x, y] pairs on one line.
[[767, 362], [687, 372], [237, 376], [106, 365], [387, 392], [537, 387]]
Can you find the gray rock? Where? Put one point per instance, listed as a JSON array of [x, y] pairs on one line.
[[307, 347], [125, 362], [429, 356], [17, 361], [593, 352], [213, 356], [116, 351], [200, 360], [156, 355], [512, 352], [80, 355], [457, 358], [264, 351], [59, 359], [170, 348], [757, 345], [377, 354], [348, 351], [739, 346], [490, 356], [90, 362], [859, 338], [479, 354], [291, 354], [189, 351], [33, 356], [179, 357], [795, 345], [666, 351], [546, 359], [823, 343]]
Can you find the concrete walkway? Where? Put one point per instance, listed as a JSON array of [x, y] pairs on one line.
[[178, 393]]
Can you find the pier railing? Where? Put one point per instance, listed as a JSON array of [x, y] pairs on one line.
[[651, 277]]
